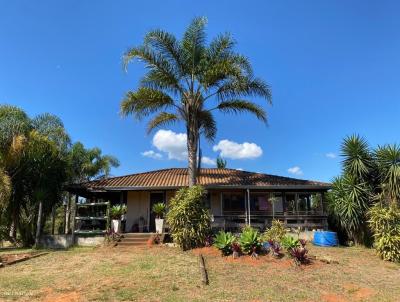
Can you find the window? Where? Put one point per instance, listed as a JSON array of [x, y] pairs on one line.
[[259, 202], [303, 202], [290, 202], [233, 202]]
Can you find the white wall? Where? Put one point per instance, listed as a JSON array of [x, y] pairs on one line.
[[138, 203]]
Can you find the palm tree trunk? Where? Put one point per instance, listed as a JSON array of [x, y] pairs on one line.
[[192, 143], [67, 214], [53, 219], [39, 224]]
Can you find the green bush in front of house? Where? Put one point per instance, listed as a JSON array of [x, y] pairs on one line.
[[385, 224], [188, 218], [276, 232]]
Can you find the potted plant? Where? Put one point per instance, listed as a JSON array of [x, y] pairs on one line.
[[159, 210], [116, 213]]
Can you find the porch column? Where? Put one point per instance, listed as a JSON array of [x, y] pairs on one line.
[[246, 212], [248, 206]]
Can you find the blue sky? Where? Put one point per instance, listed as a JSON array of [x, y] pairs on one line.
[[333, 67]]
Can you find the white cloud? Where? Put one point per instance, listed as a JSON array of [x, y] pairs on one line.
[[233, 150], [152, 154], [240, 169], [208, 161], [296, 170], [174, 144], [331, 155]]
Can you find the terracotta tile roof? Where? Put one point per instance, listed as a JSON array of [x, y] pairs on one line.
[[177, 177]]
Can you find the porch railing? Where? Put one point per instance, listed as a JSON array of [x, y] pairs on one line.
[[304, 220]]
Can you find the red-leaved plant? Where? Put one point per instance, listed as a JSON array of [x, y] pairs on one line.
[[276, 249], [299, 254], [236, 250]]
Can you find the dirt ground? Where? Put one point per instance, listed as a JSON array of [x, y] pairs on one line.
[[167, 274]]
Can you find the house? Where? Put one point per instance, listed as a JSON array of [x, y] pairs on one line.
[[235, 198]]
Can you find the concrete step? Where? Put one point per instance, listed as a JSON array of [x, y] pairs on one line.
[[137, 235], [134, 239]]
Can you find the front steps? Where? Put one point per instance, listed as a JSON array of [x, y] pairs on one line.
[[134, 239]]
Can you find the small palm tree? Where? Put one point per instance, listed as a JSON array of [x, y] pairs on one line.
[[188, 79], [221, 163]]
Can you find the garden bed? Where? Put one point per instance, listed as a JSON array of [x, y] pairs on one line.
[[262, 259]]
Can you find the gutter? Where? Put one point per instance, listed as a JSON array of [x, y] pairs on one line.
[[292, 187]]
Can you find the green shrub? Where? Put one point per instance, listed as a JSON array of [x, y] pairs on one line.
[[289, 243], [385, 224], [117, 211], [188, 218], [223, 241], [159, 209], [276, 232], [250, 240]]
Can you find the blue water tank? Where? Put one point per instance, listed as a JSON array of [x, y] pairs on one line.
[[325, 238]]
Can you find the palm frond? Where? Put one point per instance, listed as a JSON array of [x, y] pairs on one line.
[[145, 101], [162, 119], [245, 87], [221, 46], [208, 125], [155, 62], [193, 43], [388, 163], [167, 45], [238, 106], [348, 202], [357, 157]]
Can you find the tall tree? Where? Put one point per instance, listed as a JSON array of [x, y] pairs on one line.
[[188, 79], [87, 164]]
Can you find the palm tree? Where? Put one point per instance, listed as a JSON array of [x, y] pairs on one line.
[[188, 79], [5, 188], [87, 164], [221, 163]]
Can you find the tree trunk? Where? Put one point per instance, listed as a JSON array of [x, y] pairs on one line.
[[13, 226], [39, 224], [67, 214], [53, 219], [192, 143]]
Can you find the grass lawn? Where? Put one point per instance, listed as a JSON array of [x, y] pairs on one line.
[[166, 274]]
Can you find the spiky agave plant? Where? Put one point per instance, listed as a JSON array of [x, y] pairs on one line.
[[224, 242], [188, 80]]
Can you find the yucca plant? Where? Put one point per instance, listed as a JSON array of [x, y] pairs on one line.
[[348, 203], [388, 163], [159, 209], [224, 242], [117, 211], [250, 241]]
